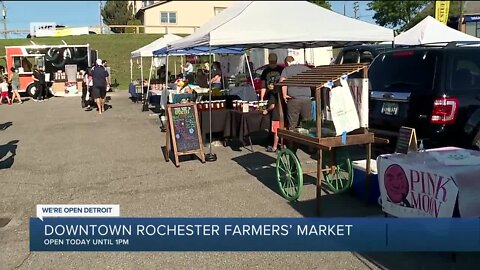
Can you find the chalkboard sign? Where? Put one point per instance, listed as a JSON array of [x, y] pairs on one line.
[[184, 131], [407, 141]]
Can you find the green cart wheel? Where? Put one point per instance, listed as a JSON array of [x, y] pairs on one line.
[[339, 179], [289, 174]]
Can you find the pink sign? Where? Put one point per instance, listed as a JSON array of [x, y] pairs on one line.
[[409, 191]]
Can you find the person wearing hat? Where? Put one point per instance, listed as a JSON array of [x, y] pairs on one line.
[[100, 83], [270, 76]]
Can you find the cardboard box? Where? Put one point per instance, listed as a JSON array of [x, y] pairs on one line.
[[58, 87]]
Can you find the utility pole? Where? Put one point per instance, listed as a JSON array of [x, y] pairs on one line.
[[4, 15], [100, 16], [356, 8], [460, 19]]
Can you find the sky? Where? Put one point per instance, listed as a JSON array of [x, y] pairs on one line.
[[69, 13], [87, 13], [363, 14]]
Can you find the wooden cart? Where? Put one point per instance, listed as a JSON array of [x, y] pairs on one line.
[[335, 171]]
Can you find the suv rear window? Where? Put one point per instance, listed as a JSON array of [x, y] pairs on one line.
[[366, 57], [403, 71], [464, 73], [350, 57]]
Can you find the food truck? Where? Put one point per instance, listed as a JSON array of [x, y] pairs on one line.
[[63, 65]]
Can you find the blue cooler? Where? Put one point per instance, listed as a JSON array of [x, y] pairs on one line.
[[359, 175]]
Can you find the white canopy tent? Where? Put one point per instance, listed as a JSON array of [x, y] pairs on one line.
[[282, 24], [147, 51], [431, 31]]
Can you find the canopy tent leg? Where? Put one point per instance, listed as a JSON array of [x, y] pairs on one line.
[[166, 83], [163, 103], [141, 72], [249, 70], [181, 65], [145, 95], [131, 70], [304, 54], [210, 157]]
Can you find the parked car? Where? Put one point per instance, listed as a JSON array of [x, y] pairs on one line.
[[361, 53], [435, 90]]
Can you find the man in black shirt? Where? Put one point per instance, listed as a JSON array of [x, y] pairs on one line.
[[43, 81], [100, 81], [39, 82], [270, 76]]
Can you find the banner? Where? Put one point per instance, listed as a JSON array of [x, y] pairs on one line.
[[415, 190], [254, 234], [359, 90], [441, 11]]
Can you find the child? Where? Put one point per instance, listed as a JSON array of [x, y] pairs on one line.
[[273, 108], [4, 89]]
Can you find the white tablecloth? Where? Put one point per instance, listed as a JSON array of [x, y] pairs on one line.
[[419, 185]]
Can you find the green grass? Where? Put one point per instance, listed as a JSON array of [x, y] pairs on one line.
[[114, 48]]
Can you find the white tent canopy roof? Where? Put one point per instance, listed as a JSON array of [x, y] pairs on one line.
[[287, 24], [146, 51], [431, 31]]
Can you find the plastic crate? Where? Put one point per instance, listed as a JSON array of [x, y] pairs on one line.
[[359, 176]]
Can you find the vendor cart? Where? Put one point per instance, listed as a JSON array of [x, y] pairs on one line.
[[334, 170]]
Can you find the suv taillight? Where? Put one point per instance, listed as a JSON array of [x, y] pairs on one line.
[[445, 111]]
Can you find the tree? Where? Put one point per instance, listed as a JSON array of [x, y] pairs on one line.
[[396, 14], [322, 3], [117, 13], [429, 10]]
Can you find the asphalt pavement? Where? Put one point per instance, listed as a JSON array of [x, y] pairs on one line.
[[56, 153]]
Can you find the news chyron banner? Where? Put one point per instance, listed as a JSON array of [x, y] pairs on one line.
[[441, 11], [100, 228]]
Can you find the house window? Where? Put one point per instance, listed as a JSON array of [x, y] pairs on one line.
[[473, 28], [147, 3], [168, 17], [217, 10]]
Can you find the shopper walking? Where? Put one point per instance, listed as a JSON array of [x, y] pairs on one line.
[[100, 82], [15, 82]]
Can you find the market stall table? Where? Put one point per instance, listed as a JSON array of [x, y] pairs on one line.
[[240, 125], [234, 124], [427, 184], [219, 118]]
